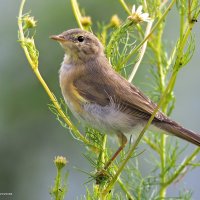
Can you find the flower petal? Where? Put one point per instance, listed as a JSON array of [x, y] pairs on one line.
[[133, 9], [144, 15], [139, 10]]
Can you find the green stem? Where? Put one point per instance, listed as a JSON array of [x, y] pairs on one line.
[[171, 58], [182, 167], [104, 34], [141, 55], [57, 185], [159, 57], [76, 132], [77, 13], [21, 34], [140, 190], [130, 153], [125, 7], [140, 31], [182, 44], [163, 191], [102, 155], [151, 144], [124, 188], [182, 22], [148, 36], [163, 164], [162, 88], [116, 35], [164, 182]]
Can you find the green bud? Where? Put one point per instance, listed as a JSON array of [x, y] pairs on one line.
[[115, 21], [60, 161], [29, 22], [86, 21]]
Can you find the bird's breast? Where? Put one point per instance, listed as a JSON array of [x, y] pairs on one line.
[[69, 92]]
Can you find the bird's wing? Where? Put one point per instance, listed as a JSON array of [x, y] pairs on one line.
[[102, 86]]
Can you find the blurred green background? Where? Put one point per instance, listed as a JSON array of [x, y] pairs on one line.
[[30, 137]]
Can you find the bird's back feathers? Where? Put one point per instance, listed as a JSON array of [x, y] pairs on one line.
[[129, 99]]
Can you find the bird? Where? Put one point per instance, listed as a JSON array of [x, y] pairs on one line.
[[100, 97]]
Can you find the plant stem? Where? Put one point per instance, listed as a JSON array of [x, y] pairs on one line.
[[57, 106], [152, 30], [77, 13], [76, 132], [130, 153], [182, 166], [159, 57], [163, 164], [57, 184], [160, 69], [141, 55], [128, 194], [151, 144], [102, 154], [184, 34], [125, 7], [21, 34]]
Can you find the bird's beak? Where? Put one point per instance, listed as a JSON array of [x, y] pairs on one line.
[[58, 38]]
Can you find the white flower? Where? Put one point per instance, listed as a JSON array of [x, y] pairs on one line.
[[137, 16]]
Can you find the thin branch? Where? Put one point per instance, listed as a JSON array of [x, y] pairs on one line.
[[130, 153], [141, 55], [125, 7], [182, 166], [77, 13], [76, 132], [149, 35], [124, 188]]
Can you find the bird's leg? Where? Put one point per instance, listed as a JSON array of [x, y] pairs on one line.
[[123, 140]]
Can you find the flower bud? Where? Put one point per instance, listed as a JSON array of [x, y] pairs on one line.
[[115, 21], [60, 162], [29, 22], [86, 21]]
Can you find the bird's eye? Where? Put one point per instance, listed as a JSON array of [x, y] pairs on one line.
[[80, 38]]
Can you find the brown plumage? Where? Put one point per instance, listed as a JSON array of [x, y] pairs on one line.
[[99, 90], [101, 97]]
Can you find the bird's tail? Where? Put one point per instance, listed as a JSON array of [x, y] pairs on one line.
[[177, 130]]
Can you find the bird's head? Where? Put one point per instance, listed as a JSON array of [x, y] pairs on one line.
[[79, 44]]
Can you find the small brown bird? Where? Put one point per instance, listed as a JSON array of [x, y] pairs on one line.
[[100, 97]]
